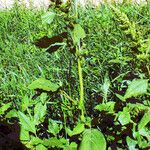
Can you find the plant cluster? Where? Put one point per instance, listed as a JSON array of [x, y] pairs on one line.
[[96, 97]]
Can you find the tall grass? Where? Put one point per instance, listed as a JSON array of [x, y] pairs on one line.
[[106, 45]]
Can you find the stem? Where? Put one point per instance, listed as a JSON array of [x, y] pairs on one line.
[[81, 102]]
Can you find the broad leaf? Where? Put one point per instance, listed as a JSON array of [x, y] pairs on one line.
[[77, 130], [54, 142], [138, 106], [44, 84], [43, 97], [109, 107], [48, 17], [93, 139], [120, 97], [72, 146], [12, 113], [145, 132], [24, 134], [39, 113], [124, 117], [26, 122], [35, 140], [78, 33], [136, 88], [131, 143], [5, 107], [40, 147], [144, 121], [53, 127]]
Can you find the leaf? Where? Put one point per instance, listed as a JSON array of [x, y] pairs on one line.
[[25, 103], [54, 142], [26, 122], [109, 107], [105, 87], [136, 88], [77, 130], [24, 134], [48, 17], [72, 146], [131, 143], [40, 147], [43, 98], [138, 106], [35, 140], [12, 113], [93, 139], [124, 117], [44, 84], [120, 97], [5, 107], [39, 113], [53, 127], [144, 121], [145, 132], [78, 33]]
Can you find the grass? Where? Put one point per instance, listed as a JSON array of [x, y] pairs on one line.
[[109, 64]]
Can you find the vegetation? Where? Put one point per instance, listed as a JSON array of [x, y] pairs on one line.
[[74, 78]]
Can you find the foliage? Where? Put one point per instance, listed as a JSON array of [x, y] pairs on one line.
[[92, 92], [93, 139]]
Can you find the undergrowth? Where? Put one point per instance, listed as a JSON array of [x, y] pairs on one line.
[[39, 87]]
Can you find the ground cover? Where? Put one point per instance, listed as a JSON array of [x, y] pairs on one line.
[[74, 78]]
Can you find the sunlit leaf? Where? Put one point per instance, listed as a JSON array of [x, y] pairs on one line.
[[93, 139], [144, 121], [124, 117], [131, 143], [77, 130], [40, 147], [120, 97], [35, 140], [136, 88], [26, 122], [138, 106], [39, 113], [12, 113], [145, 132], [54, 142], [72, 146], [54, 127], [25, 103], [24, 134], [43, 97], [44, 84], [5, 107], [78, 33], [48, 17], [109, 107]]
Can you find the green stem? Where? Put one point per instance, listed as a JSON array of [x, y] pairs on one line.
[[81, 102]]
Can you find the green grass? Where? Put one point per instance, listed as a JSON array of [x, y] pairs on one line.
[[21, 62]]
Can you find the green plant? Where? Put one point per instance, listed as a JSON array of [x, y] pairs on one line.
[[29, 122], [114, 79]]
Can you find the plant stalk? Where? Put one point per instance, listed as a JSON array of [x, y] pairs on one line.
[[81, 102]]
